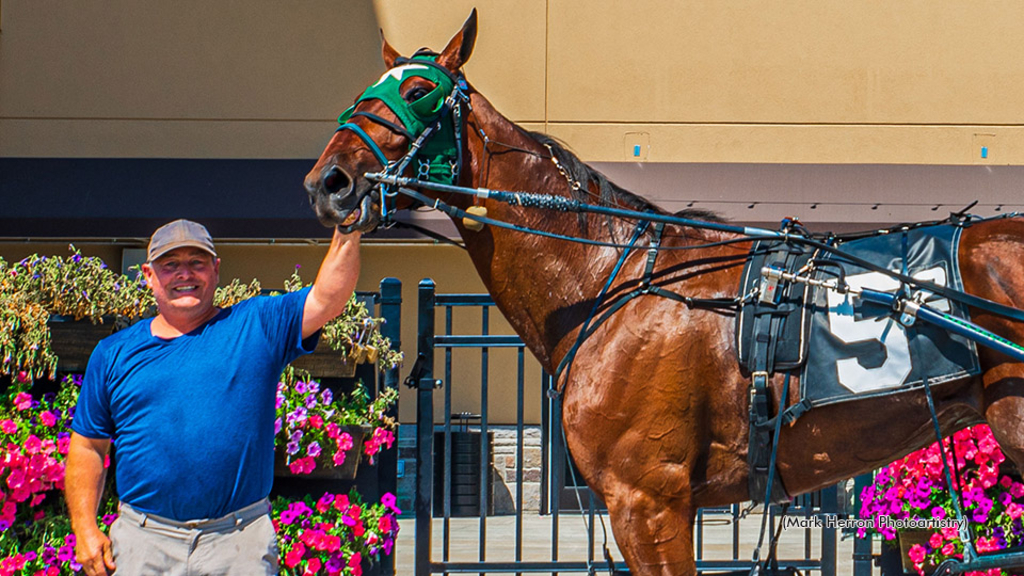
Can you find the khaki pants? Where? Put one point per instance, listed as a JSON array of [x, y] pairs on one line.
[[242, 543]]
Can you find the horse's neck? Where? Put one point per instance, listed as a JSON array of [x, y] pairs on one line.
[[545, 287]]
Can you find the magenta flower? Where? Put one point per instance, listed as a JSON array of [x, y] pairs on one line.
[[48, 419], [23, 401]]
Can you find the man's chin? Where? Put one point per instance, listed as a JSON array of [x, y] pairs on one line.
[[187, 304]]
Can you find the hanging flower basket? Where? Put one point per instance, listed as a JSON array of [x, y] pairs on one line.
[[322, 466], [325, 362]]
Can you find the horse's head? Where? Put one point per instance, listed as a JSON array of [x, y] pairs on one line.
[[377, 134]]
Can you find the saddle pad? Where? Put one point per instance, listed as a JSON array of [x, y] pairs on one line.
[[858, 348], [786, 334]]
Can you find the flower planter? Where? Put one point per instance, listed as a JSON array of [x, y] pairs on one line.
[[908, 538], [325, 468], [325, 362], [73, 340]]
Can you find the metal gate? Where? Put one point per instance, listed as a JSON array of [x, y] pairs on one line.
[[554, 539]]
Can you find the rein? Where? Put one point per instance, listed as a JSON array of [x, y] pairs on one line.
[[560, 203]]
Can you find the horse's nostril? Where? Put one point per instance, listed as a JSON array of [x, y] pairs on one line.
[[336, 180]]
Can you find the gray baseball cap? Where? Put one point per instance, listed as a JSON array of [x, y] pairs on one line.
[[178, 234]]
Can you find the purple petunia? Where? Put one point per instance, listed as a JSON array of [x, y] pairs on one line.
[[298, 415]]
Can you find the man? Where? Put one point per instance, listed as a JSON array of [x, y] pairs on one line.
[[188, 397]]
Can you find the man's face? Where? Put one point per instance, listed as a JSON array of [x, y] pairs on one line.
[[184, 281]]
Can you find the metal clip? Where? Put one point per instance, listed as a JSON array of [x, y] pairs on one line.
[[908, 312], [770, 279]]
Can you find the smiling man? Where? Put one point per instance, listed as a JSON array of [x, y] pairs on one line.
[[188, 399]]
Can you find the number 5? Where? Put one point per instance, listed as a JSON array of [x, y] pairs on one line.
[[885, 330]]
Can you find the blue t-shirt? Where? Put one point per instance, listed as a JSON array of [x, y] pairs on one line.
[[192, 417]]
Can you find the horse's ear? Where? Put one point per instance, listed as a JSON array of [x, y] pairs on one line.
[[460, 46], [389, 53]]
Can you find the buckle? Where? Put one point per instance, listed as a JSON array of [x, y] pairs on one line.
[[761, 376]]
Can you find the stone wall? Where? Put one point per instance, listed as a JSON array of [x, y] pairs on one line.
[[505, 459]]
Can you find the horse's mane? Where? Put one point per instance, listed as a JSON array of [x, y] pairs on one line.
[[608, 191]]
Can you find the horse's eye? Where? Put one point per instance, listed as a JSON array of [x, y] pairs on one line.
[[415, 94]]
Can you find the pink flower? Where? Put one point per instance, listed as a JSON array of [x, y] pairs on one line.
[[936, 540], [344, 441], [339, 458], [354, 564], [23, 401], [1014, 510], [1017, 490], [987, 544], [949, 549], [917, 553], [294, 556], [33, 444], [302, 465], [9, 426], [48, 419], [950, 533]]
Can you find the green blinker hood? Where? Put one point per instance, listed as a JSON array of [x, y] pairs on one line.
[[416, 116]]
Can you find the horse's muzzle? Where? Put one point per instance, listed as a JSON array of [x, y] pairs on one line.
[[340, 201]]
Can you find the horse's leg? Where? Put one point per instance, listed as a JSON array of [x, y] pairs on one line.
[[654, 532]]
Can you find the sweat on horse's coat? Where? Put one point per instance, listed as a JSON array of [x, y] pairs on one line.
[[656, 412]]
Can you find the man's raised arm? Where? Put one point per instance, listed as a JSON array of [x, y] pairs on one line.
[[334, 284]]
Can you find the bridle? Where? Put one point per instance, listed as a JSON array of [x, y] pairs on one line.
[[432, 123]]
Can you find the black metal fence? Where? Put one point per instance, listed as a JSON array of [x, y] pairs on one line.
[[571, 537]]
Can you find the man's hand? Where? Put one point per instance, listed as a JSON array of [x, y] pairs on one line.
[[93, 552]]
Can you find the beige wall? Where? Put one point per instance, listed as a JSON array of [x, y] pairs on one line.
[[795, 81]]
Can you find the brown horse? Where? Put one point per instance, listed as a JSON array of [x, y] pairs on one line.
[[656, 407]]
